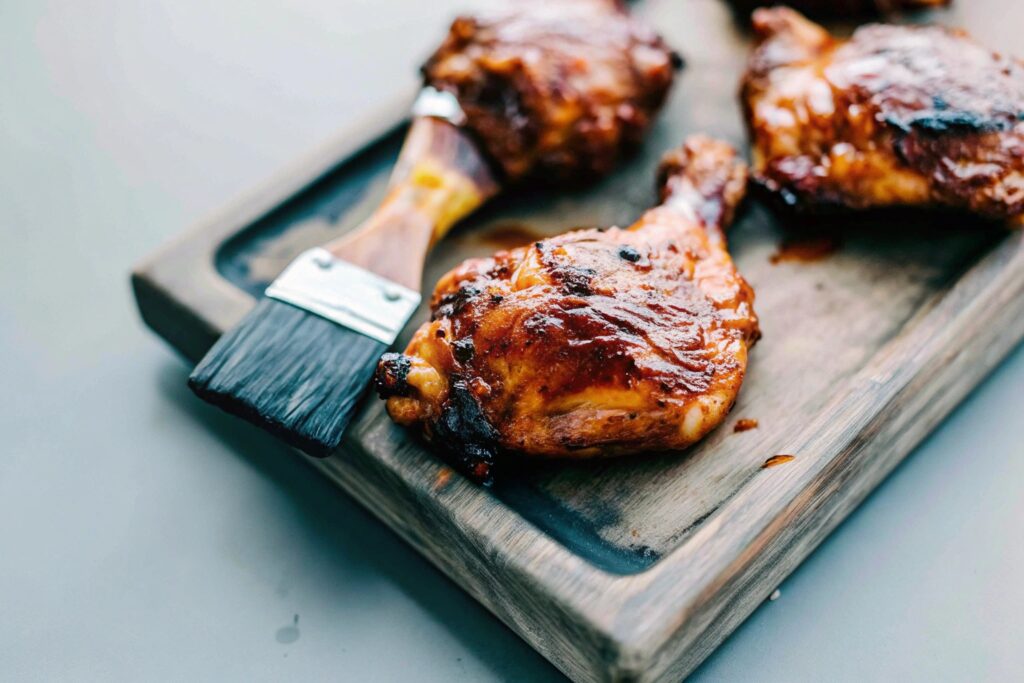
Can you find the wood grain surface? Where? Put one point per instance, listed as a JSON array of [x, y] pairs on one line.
[[875, 326]]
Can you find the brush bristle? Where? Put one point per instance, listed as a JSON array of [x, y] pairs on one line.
[[291, 372]]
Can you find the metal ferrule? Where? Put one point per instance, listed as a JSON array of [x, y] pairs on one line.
[[346, 294], [438, 104]]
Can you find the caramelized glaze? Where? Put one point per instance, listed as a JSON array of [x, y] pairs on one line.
[[555, 90], [897, 115], [594, 342]]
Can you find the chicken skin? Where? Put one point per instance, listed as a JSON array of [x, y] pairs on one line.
[[841, 8], [555, 91], [897, 115], [595, 342]]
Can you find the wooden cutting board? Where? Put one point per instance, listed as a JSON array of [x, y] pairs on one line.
[[875, 327]]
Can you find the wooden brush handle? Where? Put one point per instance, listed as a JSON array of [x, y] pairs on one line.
[[440, 178]]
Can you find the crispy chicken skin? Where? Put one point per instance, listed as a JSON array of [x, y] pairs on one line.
[[897, 115], [840, 8], [595, 342], [555, 90]]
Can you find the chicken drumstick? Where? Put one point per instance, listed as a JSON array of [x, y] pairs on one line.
[[595, 342], [840, 8], [897, 115], [554, 90]]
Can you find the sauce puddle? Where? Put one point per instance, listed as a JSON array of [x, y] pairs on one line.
[[745, 424], [510, 236], [805, 250], [777, 460]]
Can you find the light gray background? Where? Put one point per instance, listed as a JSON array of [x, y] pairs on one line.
[[145, 536]]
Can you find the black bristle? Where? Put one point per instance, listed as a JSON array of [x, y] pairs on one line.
[[291, 372]]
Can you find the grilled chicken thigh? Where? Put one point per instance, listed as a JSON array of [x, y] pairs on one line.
[[841, 8], [596, 342], [897, 115], [554, 90]]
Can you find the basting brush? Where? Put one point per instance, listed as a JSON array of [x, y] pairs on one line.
[[299, 362]]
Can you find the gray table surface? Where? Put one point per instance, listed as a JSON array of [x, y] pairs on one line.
[[145, 536]]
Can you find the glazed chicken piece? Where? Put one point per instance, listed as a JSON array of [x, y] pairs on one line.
[[555, 91], [897, 115], [596, 342], [841, 8]]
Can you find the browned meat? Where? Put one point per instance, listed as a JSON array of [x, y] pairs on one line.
[[556, 90], [840, 8], [897, 115], [596, 342]]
